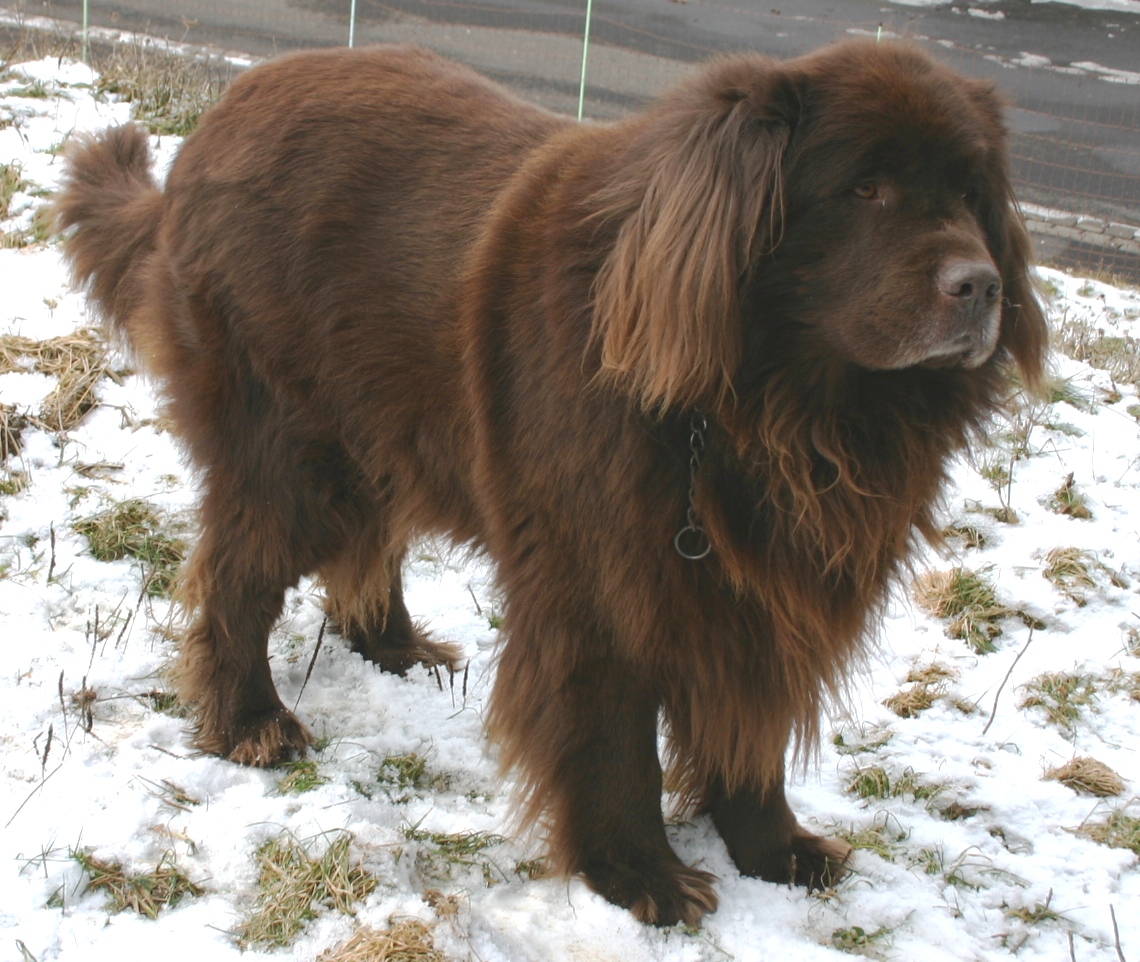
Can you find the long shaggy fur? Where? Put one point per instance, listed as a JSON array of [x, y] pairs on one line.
[[384, 299]]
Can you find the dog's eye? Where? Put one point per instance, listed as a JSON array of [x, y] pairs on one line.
[[868, 190]]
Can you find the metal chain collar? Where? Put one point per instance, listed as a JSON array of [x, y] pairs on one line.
[[691, 541]]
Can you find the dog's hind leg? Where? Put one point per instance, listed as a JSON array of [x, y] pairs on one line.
[[365, 594], [268, 516]]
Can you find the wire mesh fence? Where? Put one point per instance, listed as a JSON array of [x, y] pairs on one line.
[[1076, 146]]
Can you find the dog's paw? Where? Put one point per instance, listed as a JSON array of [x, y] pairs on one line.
[[673, 893], [261, 741], [396, 650], [817, 862], [809, 861]]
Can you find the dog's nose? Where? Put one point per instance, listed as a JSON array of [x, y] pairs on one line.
[[973, 285]]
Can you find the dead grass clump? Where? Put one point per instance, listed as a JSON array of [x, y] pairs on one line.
[[1070, 570], [168, 93], [133, 529], [12, 426], [79, 360], [146, 893], [910, 701], [1080, 339], [966, 598], [11, 183], [408, 940], [1062, 695], [1087, 776], [1069, 501], [927, 684], [295, 885], [1118, 830], [884, 838], [968, 534], [39, 231]]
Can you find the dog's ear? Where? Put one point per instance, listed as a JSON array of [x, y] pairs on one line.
[[699, 195], [1024, 332]]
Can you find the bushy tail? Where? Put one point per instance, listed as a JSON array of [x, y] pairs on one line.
[[110, 204]]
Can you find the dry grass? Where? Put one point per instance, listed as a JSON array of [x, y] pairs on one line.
[[408, 940], [967, 534], [927, 684], [12, 425], [132, 529], [1067, 500], [167, 92], [910, 702], [11, 183], [1118, 680], [1062, 695], [1079, 337], [1070, 570], [1118, 830], [146, 893], [79, 360], [38, 232], [1087, 776], [295, 885], [967, 599], [880, 838]]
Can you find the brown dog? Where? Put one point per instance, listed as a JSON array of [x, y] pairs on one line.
[[385, 299]]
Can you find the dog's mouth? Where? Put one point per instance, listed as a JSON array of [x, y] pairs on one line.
[[968, 349], [968, 354]]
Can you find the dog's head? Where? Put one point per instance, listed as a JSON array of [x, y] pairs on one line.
[[858, 199]]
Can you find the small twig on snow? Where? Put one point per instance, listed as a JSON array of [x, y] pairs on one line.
[[1116, 934], [993, 713], [312, 662]]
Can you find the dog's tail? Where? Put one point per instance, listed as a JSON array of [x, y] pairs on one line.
[[111, 206]]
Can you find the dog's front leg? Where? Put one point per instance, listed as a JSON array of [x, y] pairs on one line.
[[765, 840], [586, 745]]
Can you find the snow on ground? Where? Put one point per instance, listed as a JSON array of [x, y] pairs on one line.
[[975, 855]]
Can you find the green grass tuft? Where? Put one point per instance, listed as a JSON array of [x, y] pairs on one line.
[[146, 892], [295, 885], [300, 776], [439, 854], [874, 781], [1062, 695], [132, 529], [967, 599], [1118, 830], [858, 940]]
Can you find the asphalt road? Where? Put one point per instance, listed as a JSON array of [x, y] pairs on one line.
[[1073, 74]]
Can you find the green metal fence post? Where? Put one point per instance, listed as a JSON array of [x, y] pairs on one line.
[[585, 52]]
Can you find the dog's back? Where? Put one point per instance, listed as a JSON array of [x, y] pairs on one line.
[[361, 179], [315, 226]]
